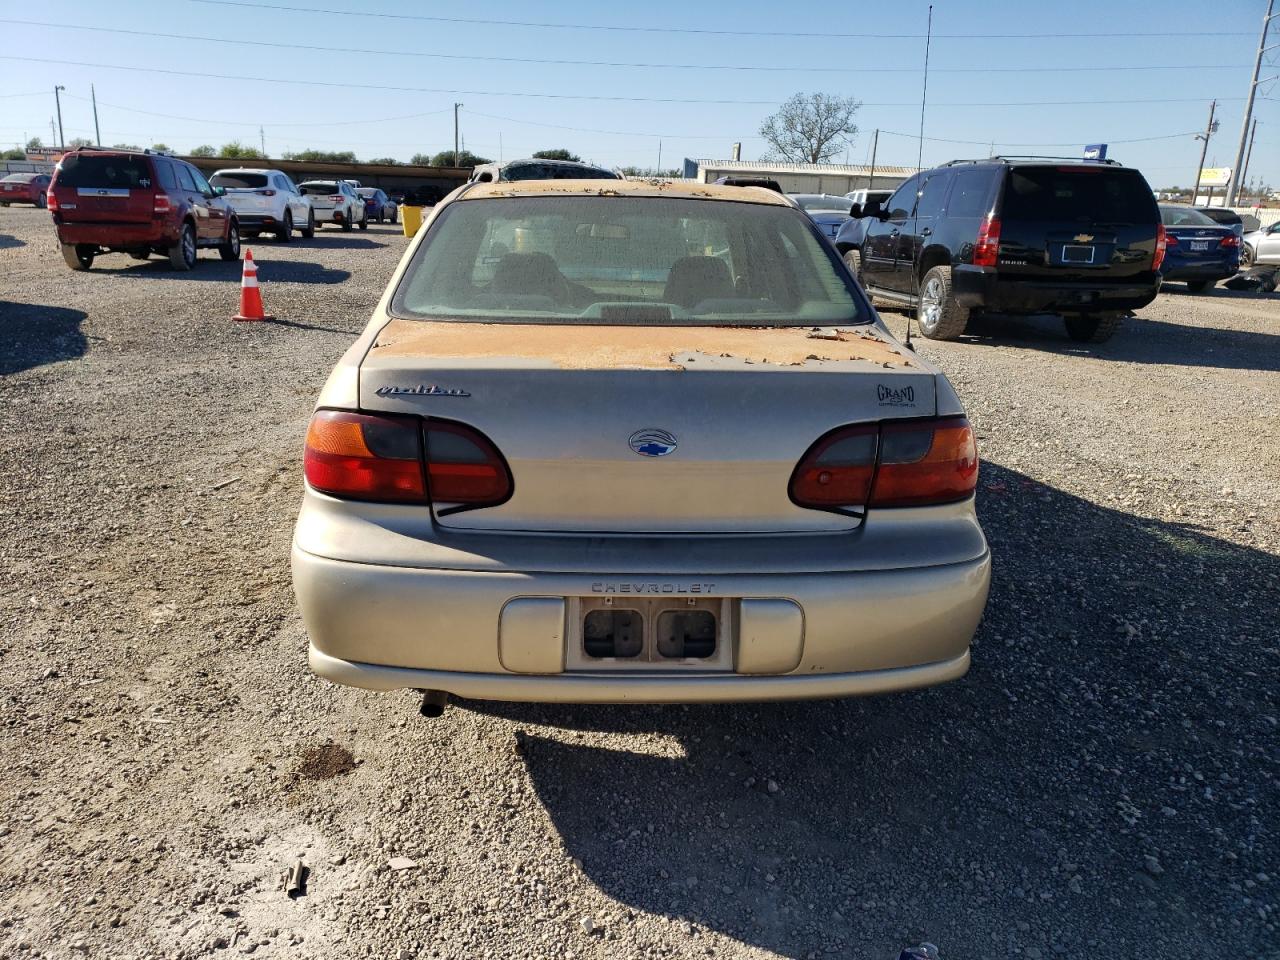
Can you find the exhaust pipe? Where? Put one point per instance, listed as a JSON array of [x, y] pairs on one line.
[[433, 703]]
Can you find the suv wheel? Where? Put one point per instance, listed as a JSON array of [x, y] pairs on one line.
[[231, 249], [364, 219], [1093, 329], [853, 260], [309, 230], [346, 222], [182, 255], [285, 233], [78, 256], [395, 215], [1200, 286], [940, 317], [41, 201]]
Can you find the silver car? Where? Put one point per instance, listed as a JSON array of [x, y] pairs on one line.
[[646, 442], [1261, 246]]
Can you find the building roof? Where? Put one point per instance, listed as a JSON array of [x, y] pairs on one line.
[[836, 169], [686, 189]]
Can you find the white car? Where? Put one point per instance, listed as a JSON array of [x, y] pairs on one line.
[[336, 201], [1261, 246], [266, 201]]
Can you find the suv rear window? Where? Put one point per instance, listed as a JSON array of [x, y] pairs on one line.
[[239, 181], [554, 171], [1084, 193], [20, 177], [319, 189], [93, 170]]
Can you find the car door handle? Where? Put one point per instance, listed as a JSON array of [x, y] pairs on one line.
[[926, 231], [894, 232]]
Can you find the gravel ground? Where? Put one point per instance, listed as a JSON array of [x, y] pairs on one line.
[[1102, 783]]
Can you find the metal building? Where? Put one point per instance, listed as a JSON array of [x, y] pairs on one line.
[[836, 178]]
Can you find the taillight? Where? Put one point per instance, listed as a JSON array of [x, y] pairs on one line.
[[988, 245], [365, 457], [895, 464], [463, 467], [51, 201], [404, 460], [1163, 241], [337, 198], [1230, 241], [160, 204]]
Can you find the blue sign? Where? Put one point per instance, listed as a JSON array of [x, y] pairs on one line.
[[1095, 151]]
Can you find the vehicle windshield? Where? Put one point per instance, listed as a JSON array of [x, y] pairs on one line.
[[1086, 193], [95, 170], [20, 178], [815, 203], [239, 181], [1184, 217], [537, 170], [626, 260], [367, 191], [319, 189]]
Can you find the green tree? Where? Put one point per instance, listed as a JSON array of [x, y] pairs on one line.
[[650, 172], [325, 156], [35, 143], [421, 160], [80, 142], [557, 154], [161, 147], [389, 161], [235, 150], [204, 150], [811, 128], [125, 146], [465, 158], [15, 153]]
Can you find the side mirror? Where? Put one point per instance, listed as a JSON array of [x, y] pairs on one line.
[[873, 209], [855, 211], [219, 191]]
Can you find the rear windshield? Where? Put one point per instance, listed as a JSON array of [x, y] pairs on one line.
[[554, 171], [367, 191], [20, 177], [319, 189], [1093, 194], [239, 181], [630, 260], [1184, 217], [815, 203], [90, 170]]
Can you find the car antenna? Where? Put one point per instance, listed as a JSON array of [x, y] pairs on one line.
[[915, 207]]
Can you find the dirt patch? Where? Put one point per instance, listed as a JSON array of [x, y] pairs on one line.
[[325, 762]]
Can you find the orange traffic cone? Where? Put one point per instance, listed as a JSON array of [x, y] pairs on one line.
[[250, 296]]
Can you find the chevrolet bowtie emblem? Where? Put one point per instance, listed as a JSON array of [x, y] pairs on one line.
[[1083, 237]]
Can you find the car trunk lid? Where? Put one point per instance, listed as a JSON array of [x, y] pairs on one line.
[[583, 415]]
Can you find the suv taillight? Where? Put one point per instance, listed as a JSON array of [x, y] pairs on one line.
[[161, 204], [894, 464], [1163, 242], [404, 460], [337, 198], [51, 201], [988, 244]]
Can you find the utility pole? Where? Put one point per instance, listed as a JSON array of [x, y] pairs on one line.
[[455, 133], [1234, 186], [62, 140], [53, 133], [875, 145], [262, 139], [658, 172], [97, 134], [1209, 130], [1248, 155]]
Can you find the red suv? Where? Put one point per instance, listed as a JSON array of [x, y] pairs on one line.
[[139, 203]]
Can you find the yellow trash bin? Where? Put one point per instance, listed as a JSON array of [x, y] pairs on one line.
[[411, 217]]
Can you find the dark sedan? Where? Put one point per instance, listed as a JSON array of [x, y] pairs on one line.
[[829, 212], [380, 206], [25, 188], [1198, 251]]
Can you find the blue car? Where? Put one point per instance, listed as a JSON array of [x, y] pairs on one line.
[[380, 206], [829, 212], [1197, 250]]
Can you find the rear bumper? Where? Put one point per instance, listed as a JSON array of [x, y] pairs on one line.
[[254, 221], [117, 235], [983, 287], [390, 627], [1220, 270]]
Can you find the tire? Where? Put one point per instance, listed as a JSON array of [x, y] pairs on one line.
[[182, 255], [140, 254], [364, 219], [285, 233], [853, 259], [231, 249], [395, 215], [347, 225], [1200, 286], [78, 256], [1246, 256], [309, 230], [1098, 328], [41, 201], [939, 316]]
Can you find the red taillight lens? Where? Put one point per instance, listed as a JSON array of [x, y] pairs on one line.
[[337, 198], [896, 464], [463, 467], [161, 204], [365, 457], [51, 201], [1230, 241], [988, 245], [1163, 242]]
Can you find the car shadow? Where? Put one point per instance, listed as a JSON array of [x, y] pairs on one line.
[[1120, 706], [209, 269], [335, 240], [9, 242], [32, 335]]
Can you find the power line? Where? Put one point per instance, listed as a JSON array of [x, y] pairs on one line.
[[751, 68], [576, 96], [1063, 143], [267, 123], [549, 25]]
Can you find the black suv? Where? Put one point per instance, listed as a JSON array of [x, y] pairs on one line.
[[1014, 236]]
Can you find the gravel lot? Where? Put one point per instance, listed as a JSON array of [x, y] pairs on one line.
[[1102, 783]]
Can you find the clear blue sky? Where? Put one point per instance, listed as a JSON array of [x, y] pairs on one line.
[[840, 59]]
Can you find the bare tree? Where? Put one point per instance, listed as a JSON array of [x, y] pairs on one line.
[[811, 128]]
